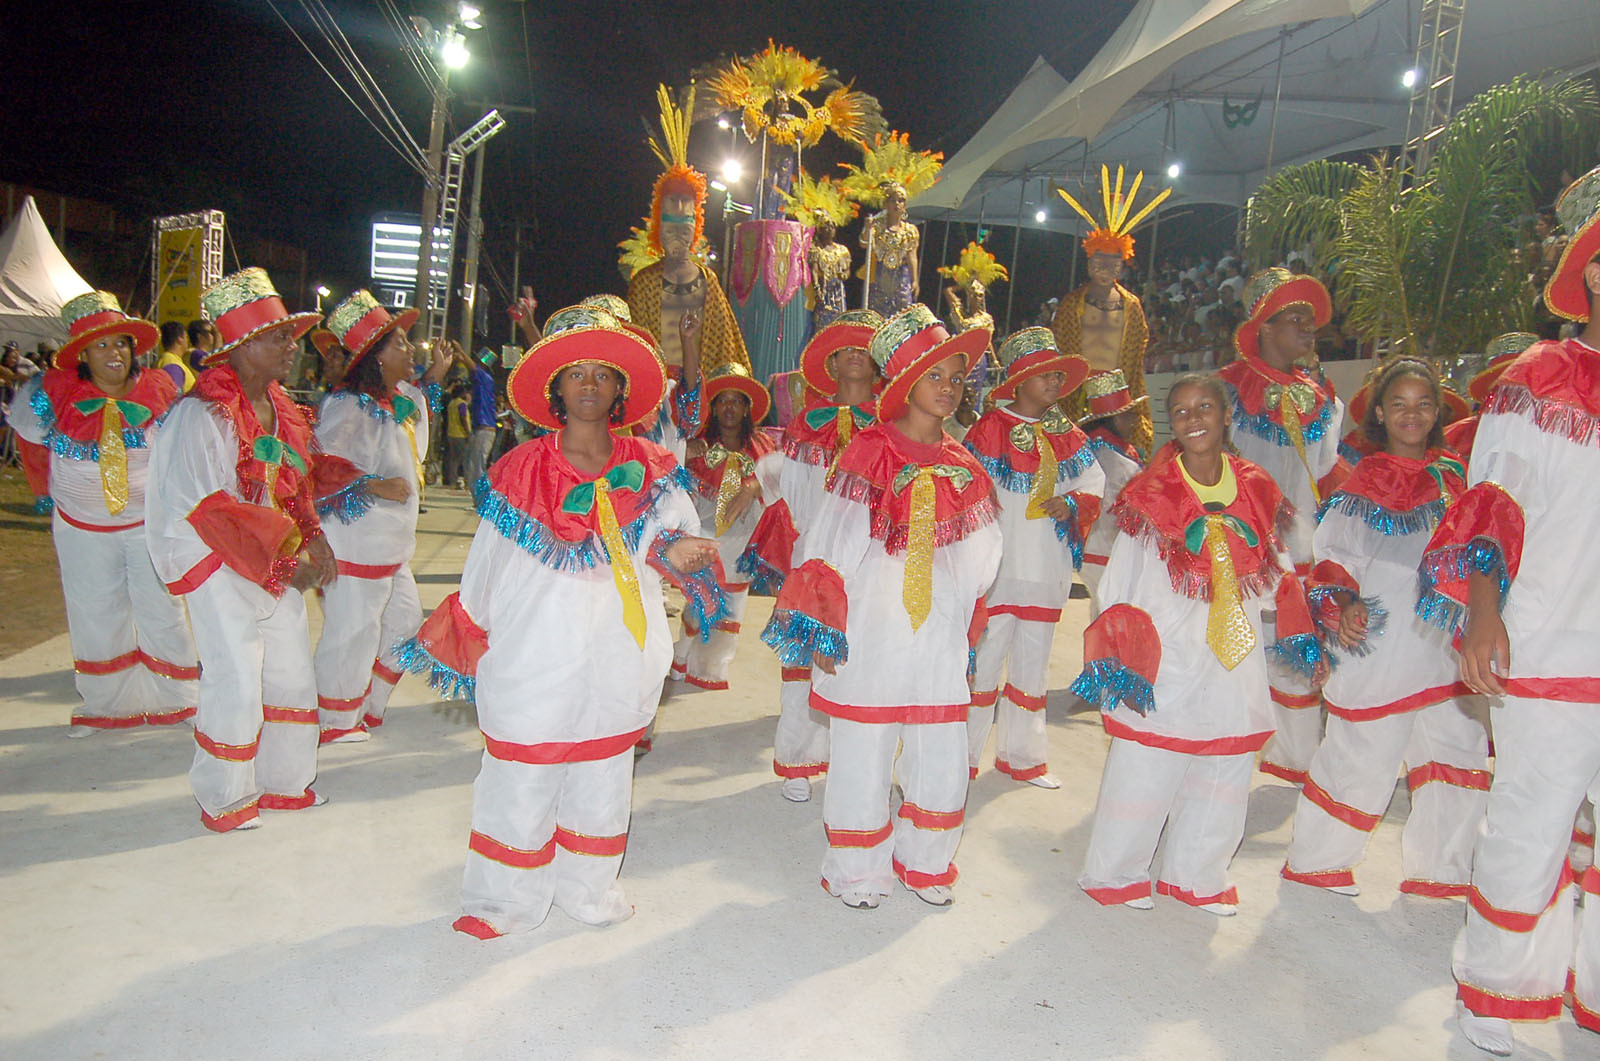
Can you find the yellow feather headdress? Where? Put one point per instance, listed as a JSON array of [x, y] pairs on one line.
[[769, 90], [890, 159], [811, 200], [673, 151], [975, 264], [1111, 236]]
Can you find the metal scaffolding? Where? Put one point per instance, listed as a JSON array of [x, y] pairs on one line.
[[443, 263], [1434, 68]]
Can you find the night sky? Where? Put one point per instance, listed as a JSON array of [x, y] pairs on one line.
[[166, 107]]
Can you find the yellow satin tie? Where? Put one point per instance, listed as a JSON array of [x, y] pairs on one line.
[[1291, 424], [844, 422], [1044, 480], [917, 592], [622, 572], [1228, 630], [411, 437], [113, 459]]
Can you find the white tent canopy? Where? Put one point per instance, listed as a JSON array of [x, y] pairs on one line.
[[1194, 82], [35, 280]]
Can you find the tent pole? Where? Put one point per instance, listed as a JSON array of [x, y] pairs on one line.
[[1277, 93], [1011, 287]]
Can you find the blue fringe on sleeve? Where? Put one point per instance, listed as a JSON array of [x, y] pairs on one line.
[[1480, 555], [435, 394], [1377, 623], [1297, 652], [351, 503], [1349, 452], [1009, 479], [702, 596], [1067, 531], [1107, 683], [765, 580], [686, 403], [415, 658], [795, 637]]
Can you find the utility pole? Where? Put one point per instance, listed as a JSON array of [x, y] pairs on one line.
[[469, 271], [430, 194]]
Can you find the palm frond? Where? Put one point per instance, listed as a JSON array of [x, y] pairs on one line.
[[1372, 256], [1295, 205]]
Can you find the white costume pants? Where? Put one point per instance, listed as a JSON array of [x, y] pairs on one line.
[[362, 620], [1298, 713], [1522, 934], [1352, 780], [704, 664], [1018, 650], [1200, 802], [866, 850], [545, 834], [133, 656], [256, 732], [800, 747]]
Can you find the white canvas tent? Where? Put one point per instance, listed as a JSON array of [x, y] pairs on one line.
[[35, 280], [1194, 82]]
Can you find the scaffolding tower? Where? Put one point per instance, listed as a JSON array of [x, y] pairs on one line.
[[1434, 68], [443, 264]]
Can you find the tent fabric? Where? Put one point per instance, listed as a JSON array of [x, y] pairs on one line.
[[36, 280]]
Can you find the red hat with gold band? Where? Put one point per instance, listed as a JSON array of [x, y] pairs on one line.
[[853, 328], [1502, 351], [1107, 394], [360, 322], [1579, 211], [1270, 292], [325, 341], [1355, 411], [95, 314], [243, 305], [618, 307], [1033, 352], [735, 377], [580, 334], [909, 344]]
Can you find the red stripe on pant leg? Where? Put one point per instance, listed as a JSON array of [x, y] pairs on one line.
[[108, 721], [390, 676], [1488, 1004], [371, 721], [705, 683], [168, 669], [367, 570], [1450, 775], [1581, 837], [1296, 700], [1513, 920], [985, 699], [1118, 896], [931, 819], [727, 626], [191, 579], [1023, 773], [1432, 889], [475, 927], [1329, 878], [551, 752], [972, 773], [232, 753], [915, 879], [515, 857], [347, 703], [305, 799], [1184, 895], [294, 716], [1027, 612], [1294, 777], [1022, 699], [106, 666], [1590, 882], [231, 820], [583, 844], [799, 769], [1583, 1016], [1356, 819], [169, 718], [795, 674], [858, 837]]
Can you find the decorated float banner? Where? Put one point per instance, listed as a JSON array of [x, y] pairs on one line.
[[178, 265], [768, 276]]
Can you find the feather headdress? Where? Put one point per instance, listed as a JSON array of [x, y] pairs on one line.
[[812, 200], [889, 159], [975, 264], [1111, 236], [679, 177], [769, 91]]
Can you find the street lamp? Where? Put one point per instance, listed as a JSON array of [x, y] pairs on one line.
[[453, 49], [322, 293]]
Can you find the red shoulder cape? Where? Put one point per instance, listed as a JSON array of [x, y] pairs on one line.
[[991, 437], [535, 479], [866, 474], [151, 389]]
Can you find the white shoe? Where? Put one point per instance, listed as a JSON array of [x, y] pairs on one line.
[[354, 736], [1220, 909], [1351, 890], [1143, 902], [1492, 1035], [1044, 781], [796, 789], [937, 895], [246, 826], [80, 732], [861, 900]]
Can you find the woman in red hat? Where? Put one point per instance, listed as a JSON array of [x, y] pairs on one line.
[[96, 413], [1178, 665], [1049, 487], [559, 631], [735, 471], [1112, 420], [373, 434], [887, 606]]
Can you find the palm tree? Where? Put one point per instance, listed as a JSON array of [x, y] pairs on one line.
[[1431, 264]]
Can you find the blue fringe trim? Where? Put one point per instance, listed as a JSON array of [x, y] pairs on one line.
[[435, 395], [1423, 518], [349, 504], [972, 665], [1107, 683], [1349, 452], [795, 637], [1262, 426], [1007, 478], [1454, 564], [43, 506], [686, 401], [537, 540], [1068, 532], [765, 580], [704, 598], [71, 448], [370, 406], [416, 659], [1298, 652]]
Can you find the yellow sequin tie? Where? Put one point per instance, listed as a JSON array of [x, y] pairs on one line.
[[1228, 630], [1291, 425], [844, 423], [411, 437], [113, 459], [622, 572], [917, 593], [1044, 480]]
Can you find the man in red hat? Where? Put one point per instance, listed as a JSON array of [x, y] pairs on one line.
[[233, 527], [1513, 570]]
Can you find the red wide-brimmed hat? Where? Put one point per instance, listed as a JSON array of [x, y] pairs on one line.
[[735, 377], [1502, 351], [244, 304], [360, 322], [580, 334], [853, 328], [1270, 292], [96, 314], [1355, 411], [1107, 394], [1579, 210], [325, 341], [1032, 352], [908, 345]]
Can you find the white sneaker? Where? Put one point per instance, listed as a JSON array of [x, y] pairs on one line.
[[796, 789], [1492, 1035], [861, 900], [1044, 781], [246, 826], [80, 732], [937, 895], [1351, 890], [1143, 902], [1220, 909]]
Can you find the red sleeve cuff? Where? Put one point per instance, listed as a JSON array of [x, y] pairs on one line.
[[259, 543]]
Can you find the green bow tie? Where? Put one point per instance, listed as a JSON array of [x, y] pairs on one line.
[[269, 449], [626, 476], [1194, 538], [823, 415], [134, 414], [1303, 395], [957, 475], [404, 408], [1441, 465]]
